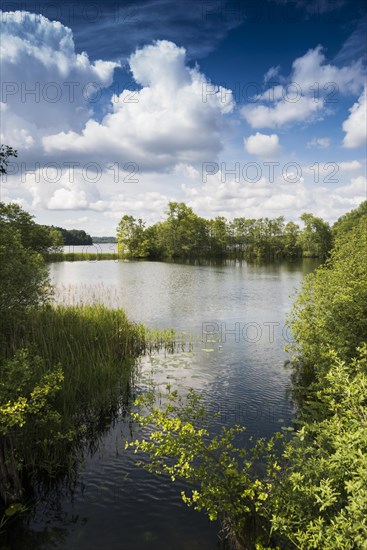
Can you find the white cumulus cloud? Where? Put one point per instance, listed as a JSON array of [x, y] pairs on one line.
[[312, 86], [46, 86], [168, 122], [263, 145], [355, 126]]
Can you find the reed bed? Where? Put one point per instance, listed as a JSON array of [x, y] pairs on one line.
[[97, 348], [86, 294], [85, 332], [81, 256]]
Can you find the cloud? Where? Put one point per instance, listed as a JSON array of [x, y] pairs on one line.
[[350, 166], [46, 86], [330, 80], [320, 143], [284, 112], [173, 119], [355, 126], [62, 190], [122, 26], [311, 88], [355, 45], [357, 188], [271, 73], [315, 6], [262, 145], [75, 221], [223, 195]]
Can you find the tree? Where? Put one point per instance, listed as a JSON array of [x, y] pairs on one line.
[[315, 239], [71, 237], [345, 223], [183, 234], [177, 243], [24, 282], [292, 248], [24, 279], [219, 236], [319, 497], [5, 153], [131, 238], [331, 310], [57, 240], [35, 237]]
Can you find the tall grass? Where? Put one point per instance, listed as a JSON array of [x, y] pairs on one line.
[[97, 348], [80, 256]]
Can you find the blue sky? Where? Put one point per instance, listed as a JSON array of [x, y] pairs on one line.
[[237, 108]]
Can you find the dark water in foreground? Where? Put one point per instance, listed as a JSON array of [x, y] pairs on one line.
[[235, 314]]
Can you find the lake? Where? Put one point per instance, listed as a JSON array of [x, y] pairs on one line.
[[235, 313]]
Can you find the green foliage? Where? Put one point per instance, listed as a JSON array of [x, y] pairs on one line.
[[222, 476], [312, 495], [291, 243], [344, 224], [71, 237], [81, 256], [184, 234], [23, 276], [21, 394], [331, 310], [315, 239], [5, 153], [131, 241], [48, 414], [37, 238], [57, 241], [27, 394], [320, 499]]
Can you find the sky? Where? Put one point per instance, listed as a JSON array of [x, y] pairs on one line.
[[251, 108]]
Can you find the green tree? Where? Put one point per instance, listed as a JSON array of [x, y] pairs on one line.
[[71, 237], [331, 310], [219, 236], [24, 280], [345, 223], [183, 234], [35, 237], [315, 238], [5, 153], [131, 239], [177, 227], [25, 399], [222, 478], [292, 248], [319, 497], [56, 239]]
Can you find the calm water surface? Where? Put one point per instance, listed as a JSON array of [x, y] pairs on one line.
[[235, 314]]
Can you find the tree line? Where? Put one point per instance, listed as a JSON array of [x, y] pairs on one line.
[[71, 237], [185, 235], [40, 238]]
